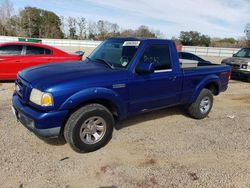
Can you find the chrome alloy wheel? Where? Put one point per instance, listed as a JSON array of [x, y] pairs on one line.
[[93, 130], [205, 105]]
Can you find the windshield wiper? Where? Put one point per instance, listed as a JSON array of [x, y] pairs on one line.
[[88, 58], [102, 60]]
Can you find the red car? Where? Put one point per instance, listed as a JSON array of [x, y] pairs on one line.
[[15, 56]]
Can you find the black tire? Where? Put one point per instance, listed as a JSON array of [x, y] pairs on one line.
[[75, 122], [195, 110]]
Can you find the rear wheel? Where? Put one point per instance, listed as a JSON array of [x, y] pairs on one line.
[[202, 106], [89, 128]]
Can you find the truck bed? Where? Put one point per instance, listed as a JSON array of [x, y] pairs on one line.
[[192, 77]]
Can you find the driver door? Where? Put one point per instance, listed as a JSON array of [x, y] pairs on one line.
[[158, 89]]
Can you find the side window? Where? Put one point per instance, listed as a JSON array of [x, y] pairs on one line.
[[158, 55], [180, 55], [11, 50], [198, 58], [243, 53], [35, 50], [187, 56], [47, 51]]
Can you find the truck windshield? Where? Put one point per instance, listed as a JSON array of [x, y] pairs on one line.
[[243, 53], [115, 52]]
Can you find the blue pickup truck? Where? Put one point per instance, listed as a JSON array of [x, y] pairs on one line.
[[82, 101]]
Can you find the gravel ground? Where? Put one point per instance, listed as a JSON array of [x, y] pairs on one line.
[[165, 148]]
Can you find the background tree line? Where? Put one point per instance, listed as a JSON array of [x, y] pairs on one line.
[[194, 38], [38, 23]]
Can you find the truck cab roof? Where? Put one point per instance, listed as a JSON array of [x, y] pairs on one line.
[[137, 39]]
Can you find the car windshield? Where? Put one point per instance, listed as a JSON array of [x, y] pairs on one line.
[[243, 53], [116, 53]]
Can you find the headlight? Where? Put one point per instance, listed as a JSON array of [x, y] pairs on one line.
[[244, 66], [41, 98]]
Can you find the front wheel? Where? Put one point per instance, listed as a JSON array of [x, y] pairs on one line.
[[202, 106], [89, 128]]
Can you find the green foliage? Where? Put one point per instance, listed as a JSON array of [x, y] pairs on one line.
[[3, 30], [226, 42], [38, 23], [31, 21], [194, 38], [143, 31], [50, 25], [106, 30]]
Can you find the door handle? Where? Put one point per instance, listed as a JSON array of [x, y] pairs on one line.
[[172, 78]]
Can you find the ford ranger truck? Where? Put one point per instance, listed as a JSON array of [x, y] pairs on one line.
[[240, 63], [83, 101]]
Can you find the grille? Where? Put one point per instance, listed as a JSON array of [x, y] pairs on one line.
[[234, 66], [21, 89]]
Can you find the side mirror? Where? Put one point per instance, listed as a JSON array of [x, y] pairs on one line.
[[234, 55], [145, 68], [80, 53]]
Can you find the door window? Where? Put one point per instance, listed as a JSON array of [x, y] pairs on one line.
[[243, 53], [11, 50], [35, 50], [159, 56], [187, 56]]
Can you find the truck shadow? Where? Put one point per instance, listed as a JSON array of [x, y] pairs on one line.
[[132, 121], [153, 115], [53, 141]]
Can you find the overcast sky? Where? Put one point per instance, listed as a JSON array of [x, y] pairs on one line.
[[216, 18]]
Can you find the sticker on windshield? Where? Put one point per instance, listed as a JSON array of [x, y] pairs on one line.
[[131, 43]]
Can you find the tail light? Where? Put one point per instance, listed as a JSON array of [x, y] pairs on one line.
[[229, 75], [226, 74]]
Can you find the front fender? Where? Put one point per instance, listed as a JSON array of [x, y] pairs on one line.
[[94, 94], [205, 81]]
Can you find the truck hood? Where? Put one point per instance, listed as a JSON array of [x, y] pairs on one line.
[[55, 74], [236, 60]]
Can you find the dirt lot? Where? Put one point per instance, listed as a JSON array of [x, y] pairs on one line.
[[165, 148]]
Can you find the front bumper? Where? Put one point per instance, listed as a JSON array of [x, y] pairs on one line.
[[240, 73], [44, 124]]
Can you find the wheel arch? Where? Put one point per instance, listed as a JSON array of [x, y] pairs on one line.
[[211, 83], [213, 87], [111, 106], [106, 97]]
